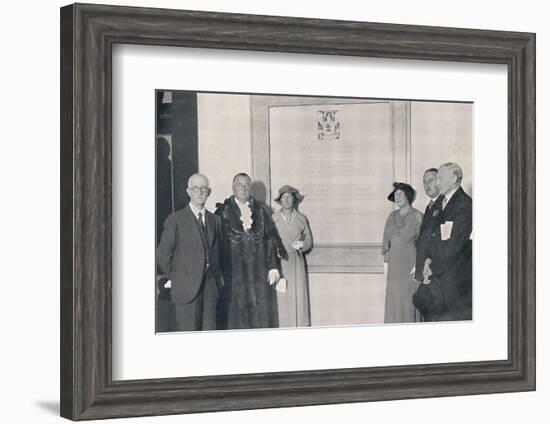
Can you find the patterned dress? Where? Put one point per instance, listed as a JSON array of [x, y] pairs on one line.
[[399, 250]]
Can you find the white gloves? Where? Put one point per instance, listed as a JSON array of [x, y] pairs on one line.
[[273, 276]]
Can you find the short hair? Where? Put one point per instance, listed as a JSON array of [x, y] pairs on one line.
[[455, 169], [434, 170], [198, 175], [241, 174]]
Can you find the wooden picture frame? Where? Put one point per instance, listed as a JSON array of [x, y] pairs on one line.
[[88, 33]]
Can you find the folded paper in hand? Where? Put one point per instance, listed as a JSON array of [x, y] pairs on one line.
[[281, 285]]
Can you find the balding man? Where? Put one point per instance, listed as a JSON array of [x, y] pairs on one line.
[[189, 254], [449, 255]]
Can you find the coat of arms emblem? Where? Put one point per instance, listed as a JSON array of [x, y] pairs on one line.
[[328, 125]]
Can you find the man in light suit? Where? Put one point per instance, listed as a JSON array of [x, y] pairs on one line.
[[449, 255], [189, 254]]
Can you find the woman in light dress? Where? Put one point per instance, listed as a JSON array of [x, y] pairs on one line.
[[293, 288], [399, 250]]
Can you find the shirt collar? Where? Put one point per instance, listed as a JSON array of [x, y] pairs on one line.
[[242, 205], [450, 194], [196, 211]]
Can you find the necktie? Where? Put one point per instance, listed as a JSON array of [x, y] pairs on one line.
[[430, 205], [201, 223], [203, 230]]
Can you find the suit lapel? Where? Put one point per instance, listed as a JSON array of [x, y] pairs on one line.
[[428, 209], [198, 230], [448, 211], [436, 211], [427, 216], [432, 213]]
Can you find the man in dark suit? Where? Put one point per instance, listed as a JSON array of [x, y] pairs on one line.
[[433, 209], [189, 254], [449, 254]]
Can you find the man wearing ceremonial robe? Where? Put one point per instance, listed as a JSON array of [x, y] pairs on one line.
[[251, 250]]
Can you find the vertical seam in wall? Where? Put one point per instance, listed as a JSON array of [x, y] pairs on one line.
[[409, 141], [251, 138], [268, 138], [393, 140], [197, 136]]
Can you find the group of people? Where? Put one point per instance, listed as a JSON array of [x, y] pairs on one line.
[[429, 256], [240, 267], [243, 266]]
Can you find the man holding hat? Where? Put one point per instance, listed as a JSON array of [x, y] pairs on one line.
[[449, 255]]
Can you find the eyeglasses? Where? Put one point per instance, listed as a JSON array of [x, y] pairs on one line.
[[201, 189]]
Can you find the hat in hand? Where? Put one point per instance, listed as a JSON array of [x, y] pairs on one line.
[[429, 299]]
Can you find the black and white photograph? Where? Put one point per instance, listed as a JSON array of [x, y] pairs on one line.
[[285, 211], [247, 212]]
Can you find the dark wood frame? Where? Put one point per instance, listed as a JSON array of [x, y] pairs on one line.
[[88, 33]]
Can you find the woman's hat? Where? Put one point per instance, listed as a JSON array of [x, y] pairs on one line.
[[289, 189], [410, 192]]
